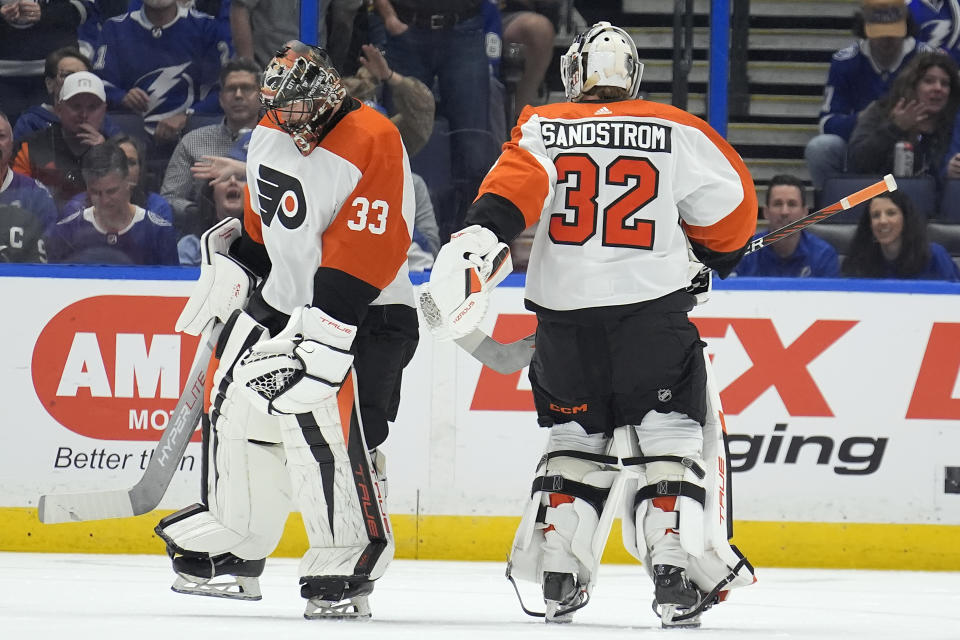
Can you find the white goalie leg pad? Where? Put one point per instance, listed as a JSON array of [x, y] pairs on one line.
[[671, 467], [565, 534], [248, 489], [341, 503], [719, 560], [239, 333]]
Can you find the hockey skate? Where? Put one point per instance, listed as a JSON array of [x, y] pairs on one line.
[[676, 599], [336, 597], [197, 574], [562, 596]]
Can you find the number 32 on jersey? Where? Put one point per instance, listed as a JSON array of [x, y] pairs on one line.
[[618, 222], [369, 215]]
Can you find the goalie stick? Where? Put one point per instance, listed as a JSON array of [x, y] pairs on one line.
[[146, 494], [512, 356]]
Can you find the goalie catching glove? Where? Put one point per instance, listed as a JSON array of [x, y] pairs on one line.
[[466, 270], [224, 283], [301, 367]]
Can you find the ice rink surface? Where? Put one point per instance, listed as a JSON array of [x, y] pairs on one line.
[[57, 596]]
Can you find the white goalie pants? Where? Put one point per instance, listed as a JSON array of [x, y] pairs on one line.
[[260, 466]]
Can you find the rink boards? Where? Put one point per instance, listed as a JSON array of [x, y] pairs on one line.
[[842, 404]]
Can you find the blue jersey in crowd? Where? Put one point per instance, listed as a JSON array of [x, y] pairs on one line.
[[940, 267], [939, 23], [814, 257], [155, 203], [854, 81], [148, 239], [178, 64], [23, 191]]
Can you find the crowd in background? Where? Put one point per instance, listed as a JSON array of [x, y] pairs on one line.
[[124, 123]]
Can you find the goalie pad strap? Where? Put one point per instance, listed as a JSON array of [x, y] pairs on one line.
[[689, 463], [666, 488], [594, 496], [743, 561], [582, 455]]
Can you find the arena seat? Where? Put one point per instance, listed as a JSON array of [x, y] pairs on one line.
[[921, 189]]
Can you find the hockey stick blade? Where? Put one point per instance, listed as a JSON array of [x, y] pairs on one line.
[[502, 357], [888, 183], [146, 494]]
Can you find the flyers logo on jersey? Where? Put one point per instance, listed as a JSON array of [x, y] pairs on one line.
[[112, 367], [280, 196]]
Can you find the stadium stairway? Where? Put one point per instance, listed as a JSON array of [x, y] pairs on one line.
[[790, 44]]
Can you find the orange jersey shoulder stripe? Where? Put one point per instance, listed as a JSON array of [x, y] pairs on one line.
[[370, 235], [518, 176], [251, 218]]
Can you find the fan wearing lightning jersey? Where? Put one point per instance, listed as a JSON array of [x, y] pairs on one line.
[[858, 75], [621, 188], [938, 22], [163, 62], [19, 190], [113, 230], [326, 228]]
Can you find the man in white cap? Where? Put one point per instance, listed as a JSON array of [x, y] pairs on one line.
[[53, 156]]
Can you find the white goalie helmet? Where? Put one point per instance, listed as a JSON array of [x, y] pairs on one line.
[[603, 56]]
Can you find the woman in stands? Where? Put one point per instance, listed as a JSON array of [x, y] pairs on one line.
[[891, 242], [919, 109]]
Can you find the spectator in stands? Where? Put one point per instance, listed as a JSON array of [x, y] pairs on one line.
[[530, 23], [951, 160], [224, 199], [858, 75], [443, 41], [426, 236], [240, 100], [891, 242], [919, 109], [339, 30], [261, 27], [162, 62], [938, 24], [134, 149], [59, 64], [22, 236], [29, 31], [801, 255], [19, 190], [412, 102], [113, 230], [53, 155]]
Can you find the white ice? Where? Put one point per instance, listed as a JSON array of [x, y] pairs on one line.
[[79, 597]]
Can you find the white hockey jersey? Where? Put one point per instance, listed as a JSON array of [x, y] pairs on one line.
[[348, 205], [616, 187]]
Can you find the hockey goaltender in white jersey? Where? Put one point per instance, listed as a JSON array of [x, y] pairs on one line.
[[326, 230], [620, 188]]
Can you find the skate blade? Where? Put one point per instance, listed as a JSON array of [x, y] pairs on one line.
[[239, 588], [667, 614], [353, 609], [551, 617]]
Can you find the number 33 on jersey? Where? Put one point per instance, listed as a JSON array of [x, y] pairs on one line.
[[617, 187], [344, 206]]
